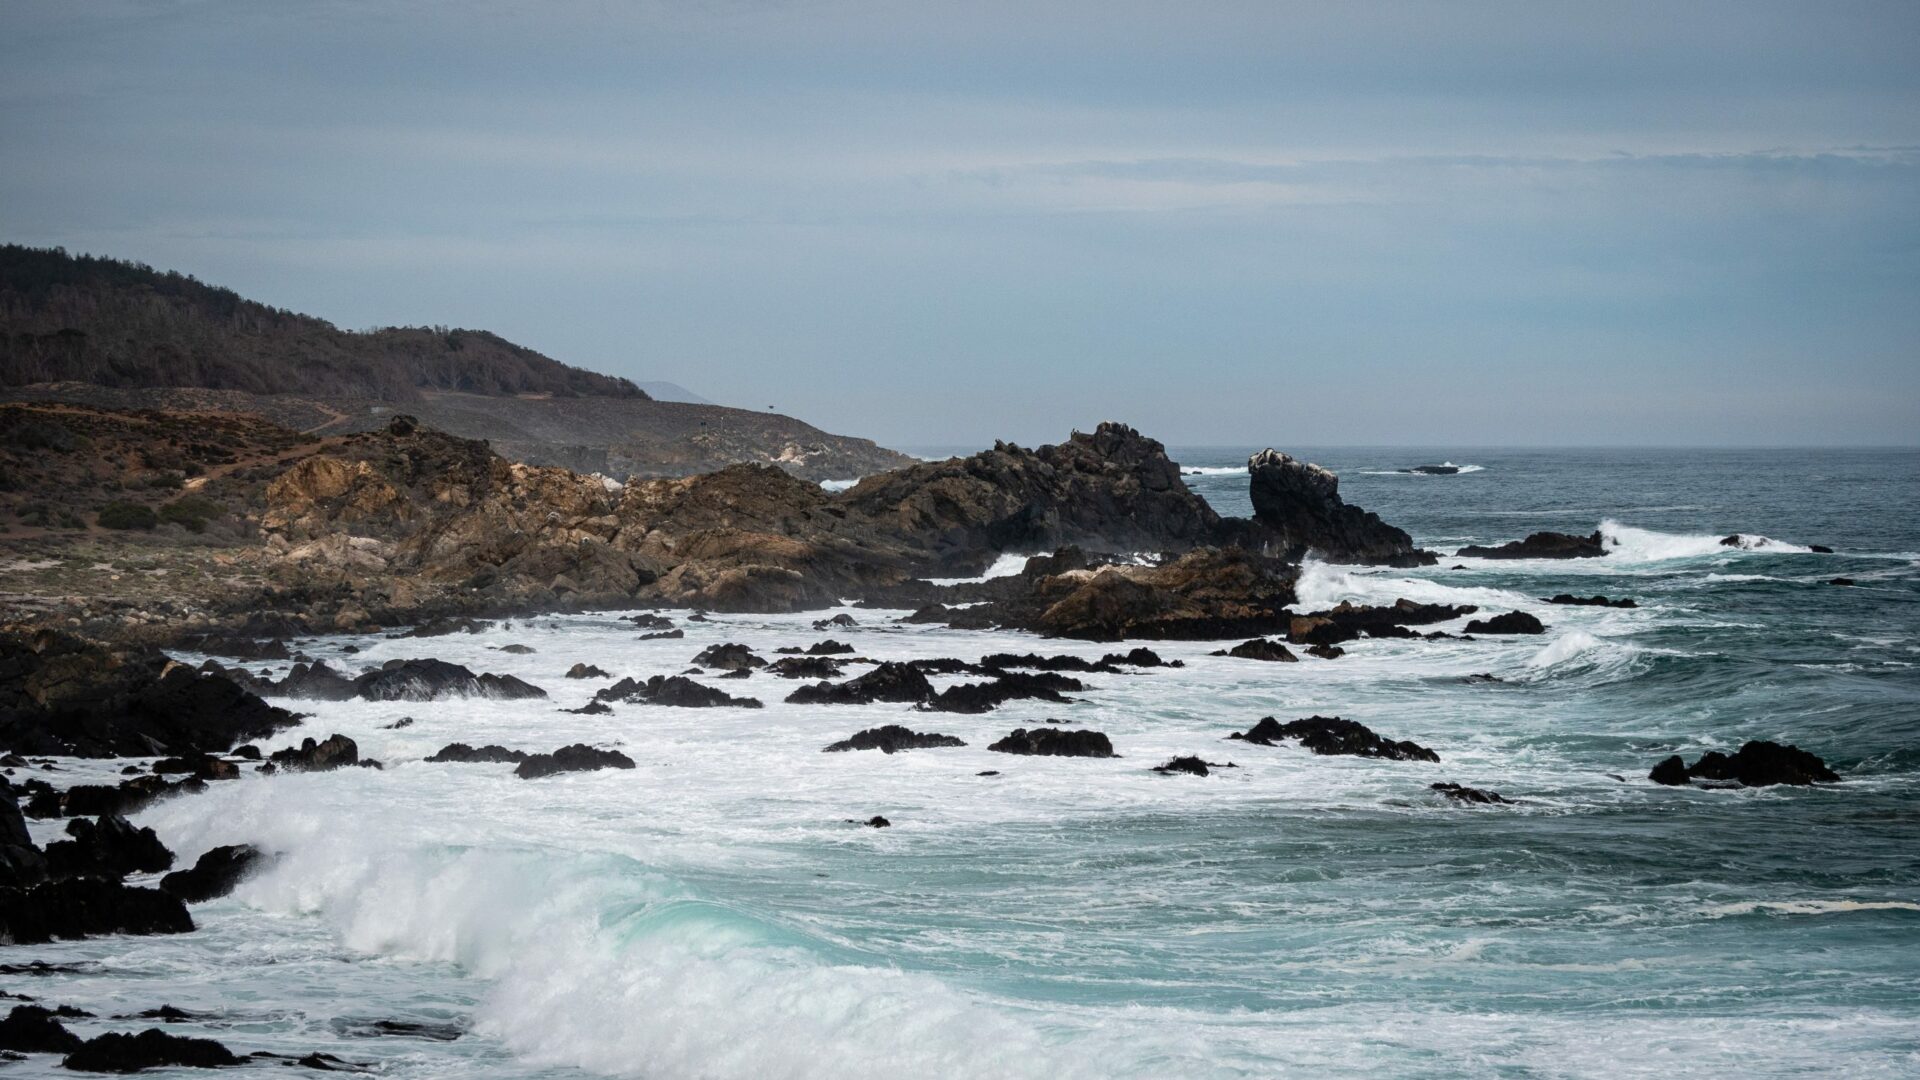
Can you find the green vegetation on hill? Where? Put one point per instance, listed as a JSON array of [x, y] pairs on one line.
[[80, 318]]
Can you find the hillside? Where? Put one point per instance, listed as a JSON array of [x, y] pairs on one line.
[[122, 335]]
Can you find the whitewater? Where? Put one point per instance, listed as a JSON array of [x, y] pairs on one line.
[[715, 912]]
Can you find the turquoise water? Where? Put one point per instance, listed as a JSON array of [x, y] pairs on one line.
[[711, 914]]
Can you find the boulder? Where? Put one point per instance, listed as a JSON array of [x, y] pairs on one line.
[[1541, 545], [30, 1029], [586, 671], [576, 758], [214, 874], [829, 647], [1513, 622], [890, 681], [1758, 763], [673, 690], [86, 907], [1333, 735], [1055, 742], [892, 739], [334, 752], [117, 1052], [436, 680], [107, 847], [1189, 764], [840, 621], [490, 753], [1260, 649], [1326, 652], [728, 657]]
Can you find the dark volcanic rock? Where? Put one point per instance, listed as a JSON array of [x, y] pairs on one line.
[[674, 690], [21, 863], [434, 680], [1188, 764], [315, 682], [1298, 510], [84, 907], [591, 708], [892, 739], [728, 657], [650, 621], [1010, 686], [1590, 601], [1036, 662], [118, 1052], [576, 758], [518, 650], [1260, 649], [60, 694], [1459, 793], [1326, 652], [1347, 621], [664, 635], [1055, 742], [829, 647], [108, 847], [891, 681], [93, 800], [1513, 622], [443, 627], [1819, 549], [874, 822], [215, 874], [30, 1029], [490, 753], [586, 671], [1140, 656], [1333, 735], [1541, 545], [840, 621], [1841, 581], [334, 752], [1755, 764], [806, 667]]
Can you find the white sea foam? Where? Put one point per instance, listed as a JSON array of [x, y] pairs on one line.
[[1213, 470], [1007, 564], [1625, 543], [1323, 585], [839, 485], [1806, 907]]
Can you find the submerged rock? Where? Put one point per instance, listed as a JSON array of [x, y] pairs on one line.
[[1758, 763], [894, 738], [1541, 545], [840, 621], [1590, 601], [1191, 765], [1460, 793], [1333, 735], [1055, 742], [214, 874], [1513, 622], [586, 671], [576, 758]]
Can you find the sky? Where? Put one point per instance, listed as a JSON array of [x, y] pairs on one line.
[[1420, 223]]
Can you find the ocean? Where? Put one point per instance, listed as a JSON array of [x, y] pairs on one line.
[[713, 913]]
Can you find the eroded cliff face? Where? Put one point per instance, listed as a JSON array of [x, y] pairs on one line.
[[396, 518]]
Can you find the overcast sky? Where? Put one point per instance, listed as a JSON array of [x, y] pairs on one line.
[[1433, 223]]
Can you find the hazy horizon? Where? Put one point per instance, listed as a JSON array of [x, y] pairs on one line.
[[1406, 224]]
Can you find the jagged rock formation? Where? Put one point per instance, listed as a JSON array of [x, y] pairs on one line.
[[1541, 545], [1297, 511]]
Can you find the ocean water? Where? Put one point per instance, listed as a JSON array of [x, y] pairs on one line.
[[711, 913]]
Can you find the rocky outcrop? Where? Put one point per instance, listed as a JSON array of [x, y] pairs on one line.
[[333, 752], [890, 681], [436, 680], [1190, 765], [87, 907], [1333, 735], [1541, 545], [1297, 511], [1009, 686], [674, 690], [1513, 622], [30, 1029], [118, 1052], [892, 739], [1206, 594], [107, 847], [1260, 649], [806, 667], [21, 862], [214, 874], [728, 657], [62, 695], [1348, 621], [490, 753], [576, 758], [1055, 742], [1758, 763]]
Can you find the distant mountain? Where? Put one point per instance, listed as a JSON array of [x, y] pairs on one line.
[[121, 335], [79, 318], [666, 391]]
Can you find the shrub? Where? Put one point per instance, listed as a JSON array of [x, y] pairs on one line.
[[126, 515], [192, 512]]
